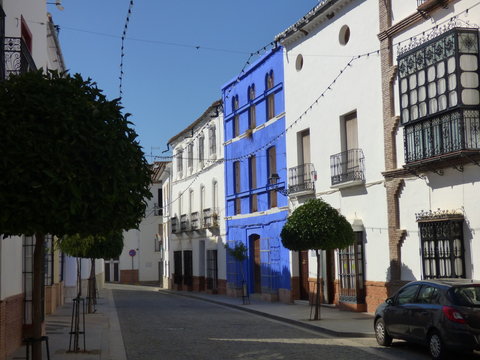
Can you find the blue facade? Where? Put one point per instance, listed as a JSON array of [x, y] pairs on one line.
[[255, 169]]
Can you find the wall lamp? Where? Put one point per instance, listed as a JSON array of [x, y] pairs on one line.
[[273, 180]]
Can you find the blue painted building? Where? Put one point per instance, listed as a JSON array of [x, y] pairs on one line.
[[255, 178]]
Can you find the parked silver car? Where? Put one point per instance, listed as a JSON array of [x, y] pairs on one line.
[[442, 313]]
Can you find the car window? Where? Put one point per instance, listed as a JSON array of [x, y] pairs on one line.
[[428, 295], [466, 295], [407, 295]]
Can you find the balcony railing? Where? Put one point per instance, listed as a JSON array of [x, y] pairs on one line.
[[442, 136], [174, 224], [424, 5], [301, 178], [347, 166], [210, 218], [183, 222], [18, 58], [194, 220]]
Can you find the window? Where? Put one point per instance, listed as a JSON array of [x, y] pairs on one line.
[[252, 116], [351, 275], [236, 118], [190, 156], [201, 150], [179, 158], [442, 249], [439, 95], [212, 269], [188, 268], [348, 165], [407, 295], [344, 35], [213, 139], [190, 201], [428, 295], [270, 96], [215, 195], [177, 267], [236, 178], [159, 205], [252, 170], [272, 169]]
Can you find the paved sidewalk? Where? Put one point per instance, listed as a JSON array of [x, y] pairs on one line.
[[332, 321], [103, 337]]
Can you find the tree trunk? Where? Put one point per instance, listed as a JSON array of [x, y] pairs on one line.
[[37, 298], [91, 288], [319, 288]]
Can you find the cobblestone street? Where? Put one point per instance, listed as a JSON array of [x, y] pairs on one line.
[[157, 325]]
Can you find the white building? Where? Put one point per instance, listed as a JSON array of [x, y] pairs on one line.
[[430, 65], [197, 230], [335, 145], [143, 257], [29, 42]]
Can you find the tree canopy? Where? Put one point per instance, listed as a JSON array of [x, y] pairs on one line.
[[69, 160], [93, 246], [315, 225]]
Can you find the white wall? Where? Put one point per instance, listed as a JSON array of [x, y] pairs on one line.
[[357, 88], [200, 176]]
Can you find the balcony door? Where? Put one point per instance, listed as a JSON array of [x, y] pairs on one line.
[[304, 157]]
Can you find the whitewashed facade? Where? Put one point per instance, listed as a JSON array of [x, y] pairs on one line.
[[431, 104], [335, 144], [143, 256], [197, 230]]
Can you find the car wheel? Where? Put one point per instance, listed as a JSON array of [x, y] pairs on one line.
[[436, 346], [383, 338]]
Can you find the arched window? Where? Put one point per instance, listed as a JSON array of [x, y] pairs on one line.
[[213, 139], [190, 156], [179, 158], [252, 116], [201, 149], [271, 96], [236, 118], [272, 169]]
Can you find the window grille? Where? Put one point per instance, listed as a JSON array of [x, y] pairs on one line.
[[442, 249]]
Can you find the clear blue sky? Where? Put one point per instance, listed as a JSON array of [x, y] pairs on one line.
[[168, 83]]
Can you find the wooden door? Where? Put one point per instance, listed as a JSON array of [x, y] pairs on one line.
[[256, 263]]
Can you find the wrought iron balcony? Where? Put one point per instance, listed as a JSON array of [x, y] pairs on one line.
[[183, 222], [210, 218], [174, 224], [423, 5], [301, 179], [348, 167], [18, 58], [194, 220], [447, 136]]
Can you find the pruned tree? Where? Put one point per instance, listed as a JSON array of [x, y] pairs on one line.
[[317, 226], [92, 247], [70, 164]]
